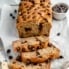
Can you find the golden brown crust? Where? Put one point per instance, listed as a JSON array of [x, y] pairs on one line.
[[31, 15]]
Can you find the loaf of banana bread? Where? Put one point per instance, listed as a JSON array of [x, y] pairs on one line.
[[34, 18]]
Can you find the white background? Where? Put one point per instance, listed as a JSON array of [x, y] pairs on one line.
[[8, 34]]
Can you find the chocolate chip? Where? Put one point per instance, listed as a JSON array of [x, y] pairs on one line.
[[15, 11], [8, 51], [31, 48], [33, 17], [18, 58], [30, 7], [11, 14], [40, 26], [23, 50], [42, 0], [28, 62], [20, 4], [45, 19], [49, 3], [46, 35], [40, 64], [49, 44], [34, 63], [17, 20], [47, 61], [61, 57], [14, 62], [41, 4], [38, 47], [10, 57], [58, 34], [49, 14], [32, 1], [18, 49], [13, 17], [28, 29], [23, 42], [38, 54]]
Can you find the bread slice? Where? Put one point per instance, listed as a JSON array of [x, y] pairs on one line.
[[19, 65], [30, 44], [41, 55], [34, 18]]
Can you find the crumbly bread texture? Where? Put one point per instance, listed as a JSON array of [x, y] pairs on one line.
[[34, 18], [30, 44], [19, 65], [41, 55]]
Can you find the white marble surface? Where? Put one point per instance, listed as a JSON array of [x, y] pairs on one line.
[[8, 33]]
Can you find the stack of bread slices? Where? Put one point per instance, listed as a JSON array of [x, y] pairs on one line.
[[34, 21]]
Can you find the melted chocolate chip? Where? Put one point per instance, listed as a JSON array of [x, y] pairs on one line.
[[49, 3], [49, 44], [18, 49], [10, 57], [41, 4], [24, 18], [23, 50], [18, 58], [19, 68], [23, 42], [49, 14], [47, 61], [33, 1], [31, 48], [38, 54], [34, 63], [28, 62], [42, 0], [33, 17], [40, 26], [40, 64], [14, 62], [38, 47], [46, 35], [45, 19], [17, 20], [8, 51], [28, 29], [20, 4]]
